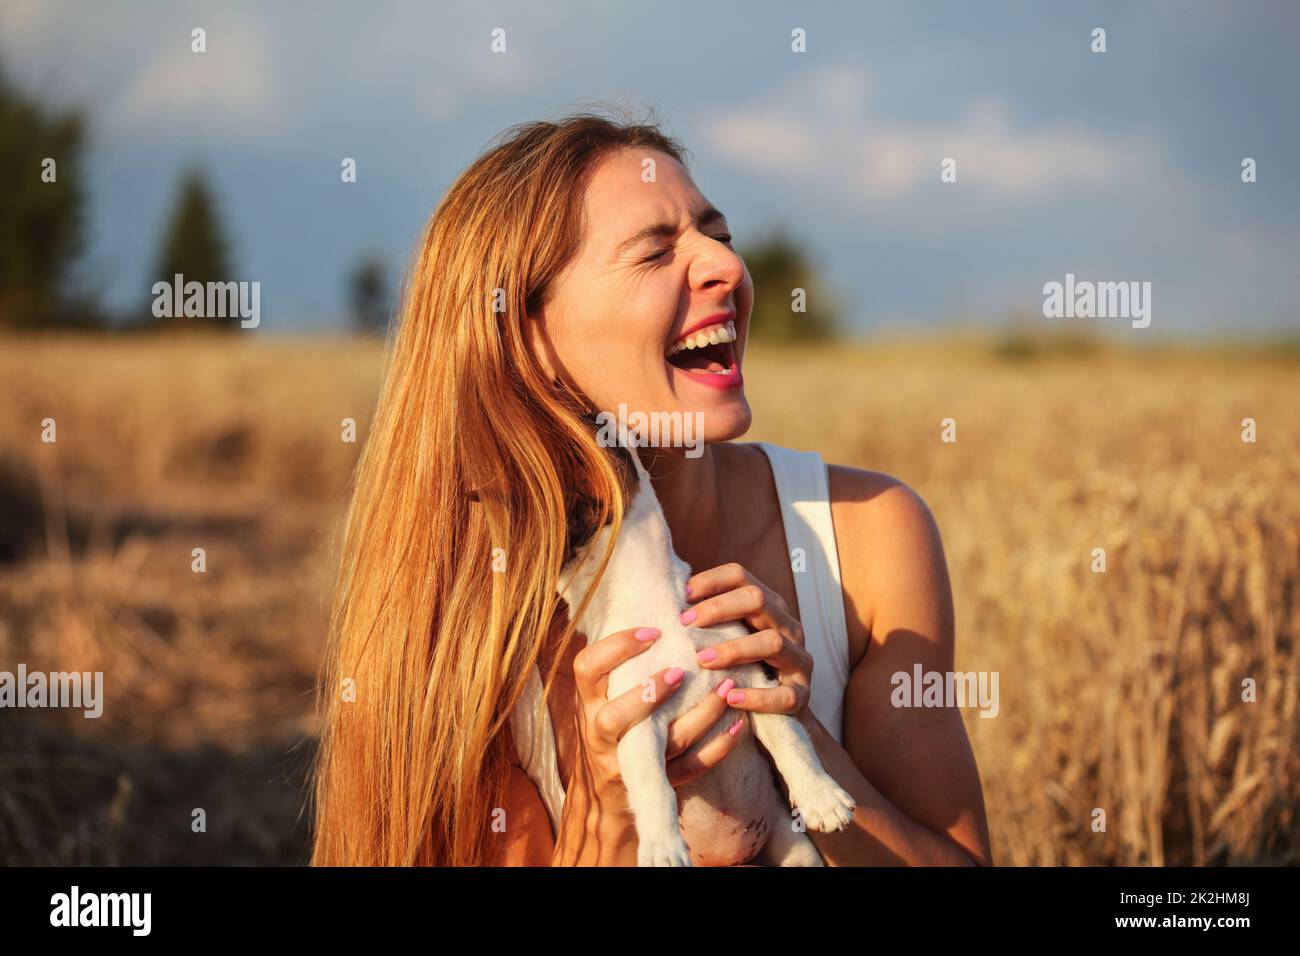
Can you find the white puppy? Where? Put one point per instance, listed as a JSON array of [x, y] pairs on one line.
[[645, 584]]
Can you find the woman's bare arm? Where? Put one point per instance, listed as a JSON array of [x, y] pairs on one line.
[[911, 769], [586, 838], [527, 840]]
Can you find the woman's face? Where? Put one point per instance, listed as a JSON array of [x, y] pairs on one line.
[[656, 269]]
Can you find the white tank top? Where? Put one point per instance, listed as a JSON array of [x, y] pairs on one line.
[[801, 486]]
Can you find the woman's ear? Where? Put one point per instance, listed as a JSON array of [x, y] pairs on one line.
[[540, 343]]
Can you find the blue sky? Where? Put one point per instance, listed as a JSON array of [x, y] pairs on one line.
[[1116, 166]]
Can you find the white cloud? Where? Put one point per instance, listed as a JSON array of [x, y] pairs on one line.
[[819, 126], [21, 21], [230, 85], [465, 81], [466, 74]]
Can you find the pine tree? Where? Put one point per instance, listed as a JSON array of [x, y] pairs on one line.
[[368, 296], [194, 246], [778, 267], [42, 201]]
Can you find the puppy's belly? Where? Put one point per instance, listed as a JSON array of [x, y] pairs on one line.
[[726, 815]]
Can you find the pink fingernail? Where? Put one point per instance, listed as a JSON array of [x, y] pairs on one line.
[[725, 687], [687, 616], [735, 728], [736, 697], [646, 633], [673, 675], [707, 655], [688, 590]]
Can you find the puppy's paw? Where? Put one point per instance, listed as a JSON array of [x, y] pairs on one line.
[[825, 806], [667, 849]]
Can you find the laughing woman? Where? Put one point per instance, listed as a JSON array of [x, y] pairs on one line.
[[573, 268]]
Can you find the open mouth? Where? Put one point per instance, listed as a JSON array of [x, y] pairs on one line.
[[707, 355]]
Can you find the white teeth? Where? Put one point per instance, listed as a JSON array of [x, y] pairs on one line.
[[713, 335]]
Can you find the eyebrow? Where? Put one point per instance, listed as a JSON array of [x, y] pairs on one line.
[[666, 230]]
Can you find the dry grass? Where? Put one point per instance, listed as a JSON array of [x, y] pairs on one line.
[[1120, 690]]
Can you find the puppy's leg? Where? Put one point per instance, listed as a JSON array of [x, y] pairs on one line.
[[824, 804], [787, 846], [651, 797]]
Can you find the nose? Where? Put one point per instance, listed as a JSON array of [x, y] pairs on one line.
[[716, 267]]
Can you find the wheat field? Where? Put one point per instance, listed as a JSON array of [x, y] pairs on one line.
[[1122, 690]]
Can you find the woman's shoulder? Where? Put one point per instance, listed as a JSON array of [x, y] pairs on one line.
[[882, 511], [869, 495], [862, 501], [890, 548]]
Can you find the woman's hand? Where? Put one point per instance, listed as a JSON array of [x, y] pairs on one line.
[[730, 593], [597, 827]]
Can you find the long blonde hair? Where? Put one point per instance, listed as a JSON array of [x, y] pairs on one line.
[[474, 459]]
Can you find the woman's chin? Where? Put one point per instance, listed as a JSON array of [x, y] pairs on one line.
[[728, 420], [684, 421]]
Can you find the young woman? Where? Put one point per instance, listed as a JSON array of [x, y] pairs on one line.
[[555, 279]]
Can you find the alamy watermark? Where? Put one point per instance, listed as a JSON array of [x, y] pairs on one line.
[[208, 300], [84, 689], [652, 430], [75, 908], [923, 688], [1098, 300]]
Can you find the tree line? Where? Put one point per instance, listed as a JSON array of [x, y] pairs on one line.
[[43, 228]]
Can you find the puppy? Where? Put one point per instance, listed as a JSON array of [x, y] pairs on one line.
[[645, 584]]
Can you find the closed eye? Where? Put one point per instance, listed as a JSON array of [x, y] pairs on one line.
[[725, 239]]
